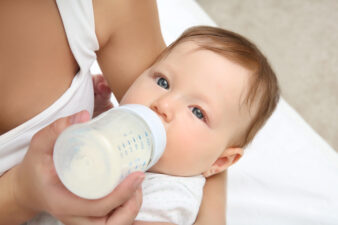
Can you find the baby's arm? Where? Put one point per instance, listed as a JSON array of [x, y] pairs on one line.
[[212, 210]]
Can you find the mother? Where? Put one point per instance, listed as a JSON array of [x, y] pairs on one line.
[[46, 50]]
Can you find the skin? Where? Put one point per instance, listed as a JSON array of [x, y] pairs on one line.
[[37, 63], [197, 94]]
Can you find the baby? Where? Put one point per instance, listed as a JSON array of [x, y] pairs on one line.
[[213, 90]]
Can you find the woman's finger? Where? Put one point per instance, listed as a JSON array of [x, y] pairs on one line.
[[101, 207], [124, 191], [125, 214]]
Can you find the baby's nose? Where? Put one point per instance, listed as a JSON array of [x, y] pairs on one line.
[[163, 110]]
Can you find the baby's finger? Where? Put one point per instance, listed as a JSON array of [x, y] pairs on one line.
[[97, 79], [124, 191], [103, 88]]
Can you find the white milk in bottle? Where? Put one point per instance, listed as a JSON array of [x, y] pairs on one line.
[[92, 158]]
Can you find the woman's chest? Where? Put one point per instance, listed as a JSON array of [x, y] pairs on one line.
[[36, 63]]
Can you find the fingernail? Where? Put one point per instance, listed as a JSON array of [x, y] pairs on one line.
[[138, 182]]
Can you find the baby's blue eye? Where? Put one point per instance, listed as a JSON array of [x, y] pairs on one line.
[[198, 113], [163, 83]]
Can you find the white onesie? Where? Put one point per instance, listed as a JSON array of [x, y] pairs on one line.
[[171, 199]]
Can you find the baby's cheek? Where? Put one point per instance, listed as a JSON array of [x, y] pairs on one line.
[[176, 157], [199, 149], [184, 148], [183, 141]]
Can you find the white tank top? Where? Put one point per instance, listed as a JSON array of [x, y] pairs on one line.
[[78, 20]]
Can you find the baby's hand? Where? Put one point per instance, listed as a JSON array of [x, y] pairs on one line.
[[102, 94], [37, 187]]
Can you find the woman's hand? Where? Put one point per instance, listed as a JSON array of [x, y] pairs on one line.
[[102, 94], [123, 215], [37, 187]]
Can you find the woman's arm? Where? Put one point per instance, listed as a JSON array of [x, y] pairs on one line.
[[130, 39], [10, 211], [212, 210]]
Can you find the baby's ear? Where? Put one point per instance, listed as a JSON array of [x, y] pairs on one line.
[[228, 158]]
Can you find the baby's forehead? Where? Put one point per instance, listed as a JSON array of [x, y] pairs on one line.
[[184, 47], [187, 47], [188, 58], [215, 75]]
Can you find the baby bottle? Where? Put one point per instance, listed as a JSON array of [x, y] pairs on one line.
[[92, 158]]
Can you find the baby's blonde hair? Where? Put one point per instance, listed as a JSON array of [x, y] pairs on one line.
[[263, 90]]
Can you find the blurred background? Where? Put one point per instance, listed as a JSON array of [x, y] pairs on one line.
[[300, 39]]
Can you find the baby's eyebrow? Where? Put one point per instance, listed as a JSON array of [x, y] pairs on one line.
[[168, 69]]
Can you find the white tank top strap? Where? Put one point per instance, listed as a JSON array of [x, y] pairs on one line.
[[79, 24]]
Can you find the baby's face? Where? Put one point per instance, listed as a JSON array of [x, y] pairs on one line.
[[197, 94]]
